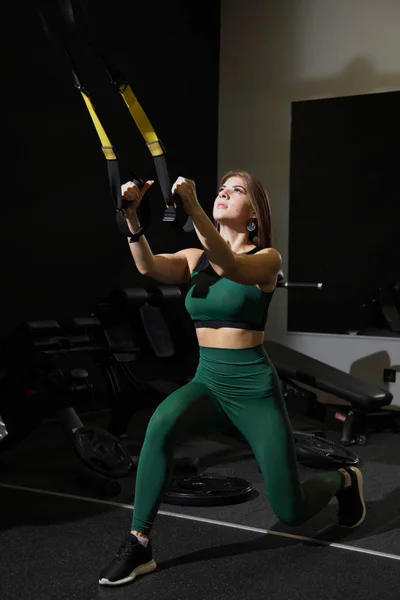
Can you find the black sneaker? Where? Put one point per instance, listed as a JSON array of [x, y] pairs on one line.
[[352, 509], [132, 559]]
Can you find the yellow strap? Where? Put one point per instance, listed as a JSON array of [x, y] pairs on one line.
[[141, 120], [106, 145]]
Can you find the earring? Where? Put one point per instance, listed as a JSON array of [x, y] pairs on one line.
[[251, 226]]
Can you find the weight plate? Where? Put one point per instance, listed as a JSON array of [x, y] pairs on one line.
[[101, 451], [313, 450], [207, 490]]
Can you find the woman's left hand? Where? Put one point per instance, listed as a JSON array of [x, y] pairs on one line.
[[186, 189]]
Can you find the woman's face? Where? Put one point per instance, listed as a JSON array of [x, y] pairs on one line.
[[233, 202]]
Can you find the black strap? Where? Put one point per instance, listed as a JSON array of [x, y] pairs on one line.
[[203, 263], [174, 212], [109, 151]]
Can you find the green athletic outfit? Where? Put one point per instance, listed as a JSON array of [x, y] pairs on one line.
[[238, 386]]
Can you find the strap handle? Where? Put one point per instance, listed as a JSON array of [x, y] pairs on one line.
[[174, 209], [109, 151]]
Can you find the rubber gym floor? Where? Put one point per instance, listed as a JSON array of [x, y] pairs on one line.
[[57, 533]]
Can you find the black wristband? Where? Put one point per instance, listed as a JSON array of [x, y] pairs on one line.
[[135, 236]]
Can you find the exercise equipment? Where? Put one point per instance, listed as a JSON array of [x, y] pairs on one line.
[[363, 397], [281, 283], [36, 384], [66, 40], [207, 490], [149, 302], [316, 451], [101, 451]]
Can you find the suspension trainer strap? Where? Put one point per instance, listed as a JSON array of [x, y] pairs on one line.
[[173, 212], [108, 149]]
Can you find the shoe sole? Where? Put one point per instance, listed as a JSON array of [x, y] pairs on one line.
[[360, 486], [141, 570]]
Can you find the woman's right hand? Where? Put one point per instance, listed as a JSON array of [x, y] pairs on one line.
[[133, 194]]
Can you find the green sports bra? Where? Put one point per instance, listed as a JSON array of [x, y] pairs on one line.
[[214, 301]]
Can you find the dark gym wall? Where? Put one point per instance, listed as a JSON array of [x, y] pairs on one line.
[[60, 248], [344, 183]]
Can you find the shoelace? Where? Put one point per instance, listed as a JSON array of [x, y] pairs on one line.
[[125, 549]]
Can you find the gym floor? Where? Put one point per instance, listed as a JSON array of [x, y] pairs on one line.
[[57, 533]]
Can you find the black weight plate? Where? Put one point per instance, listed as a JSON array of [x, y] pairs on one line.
[[101, 451], [316, 451], [207, 490]]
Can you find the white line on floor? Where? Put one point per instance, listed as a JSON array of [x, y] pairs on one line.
[[292, 536]]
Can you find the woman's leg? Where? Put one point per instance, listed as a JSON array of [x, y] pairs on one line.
[[265, 424], [249, 391], [191, 409]]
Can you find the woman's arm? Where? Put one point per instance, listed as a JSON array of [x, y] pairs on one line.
[[166, 268], [217, 250], [140, 250], [256, 269], [260, 268]]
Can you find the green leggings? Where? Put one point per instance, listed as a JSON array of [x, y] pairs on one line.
[[238, 386]]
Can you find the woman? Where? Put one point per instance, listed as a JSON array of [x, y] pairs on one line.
[[231, 283]]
